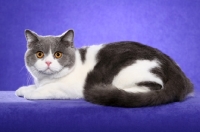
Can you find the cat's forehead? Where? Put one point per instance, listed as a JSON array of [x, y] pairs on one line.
[[49, 40], [47, 43]]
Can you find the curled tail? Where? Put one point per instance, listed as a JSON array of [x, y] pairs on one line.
[[110, 96]]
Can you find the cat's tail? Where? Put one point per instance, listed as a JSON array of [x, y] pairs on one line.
[[111, 96]]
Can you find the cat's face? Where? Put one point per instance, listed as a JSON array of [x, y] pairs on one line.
[[49, 55]]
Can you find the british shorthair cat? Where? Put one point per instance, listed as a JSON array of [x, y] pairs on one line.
[[122, 74]]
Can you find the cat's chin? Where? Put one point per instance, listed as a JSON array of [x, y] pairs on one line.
[[49, 73]]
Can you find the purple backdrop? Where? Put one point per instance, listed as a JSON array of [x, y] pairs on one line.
[[172, 26]]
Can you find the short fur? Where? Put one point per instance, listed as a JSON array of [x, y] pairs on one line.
[[123, 74]]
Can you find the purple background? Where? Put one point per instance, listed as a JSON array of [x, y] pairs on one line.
[[173, 26]]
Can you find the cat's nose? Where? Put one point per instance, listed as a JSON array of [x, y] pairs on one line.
[[48, 63]]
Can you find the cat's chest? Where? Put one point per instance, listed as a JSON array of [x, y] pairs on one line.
[[76, 79]]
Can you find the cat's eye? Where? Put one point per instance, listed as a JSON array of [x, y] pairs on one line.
[[40, 54], [58, 55]]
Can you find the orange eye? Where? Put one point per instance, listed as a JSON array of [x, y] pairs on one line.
[[40, 54], [58, 55]]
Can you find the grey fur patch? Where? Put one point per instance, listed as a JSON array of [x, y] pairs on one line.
[[83, 52]]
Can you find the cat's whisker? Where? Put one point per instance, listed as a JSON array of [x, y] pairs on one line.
[[30, 80], [21, 69], [27, 79]]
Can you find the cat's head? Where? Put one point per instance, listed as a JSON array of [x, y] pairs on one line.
[[49, 56]]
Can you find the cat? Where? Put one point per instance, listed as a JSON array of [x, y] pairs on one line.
[[121, 74]]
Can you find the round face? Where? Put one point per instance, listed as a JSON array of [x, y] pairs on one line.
[[49, 57]]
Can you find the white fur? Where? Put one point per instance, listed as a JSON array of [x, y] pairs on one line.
[[137, 89], [139, 71], [69, 85]]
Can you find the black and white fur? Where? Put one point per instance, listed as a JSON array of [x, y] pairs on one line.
[[124, 74]]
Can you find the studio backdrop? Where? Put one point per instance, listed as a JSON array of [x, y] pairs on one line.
[[173, 26]]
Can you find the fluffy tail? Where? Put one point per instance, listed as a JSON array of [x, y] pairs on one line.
[[111, 96]]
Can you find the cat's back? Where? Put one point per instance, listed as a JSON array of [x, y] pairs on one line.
[[114, 57], [117, 55], [128, 48]]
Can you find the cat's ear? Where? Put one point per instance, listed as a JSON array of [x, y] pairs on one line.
[[31, 36], [68, 36]]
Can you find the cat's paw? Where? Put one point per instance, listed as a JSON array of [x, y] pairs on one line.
[[34, 95], [20, 91], [25, 89]]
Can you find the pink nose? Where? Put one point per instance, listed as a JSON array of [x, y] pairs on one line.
[[48, 63]]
